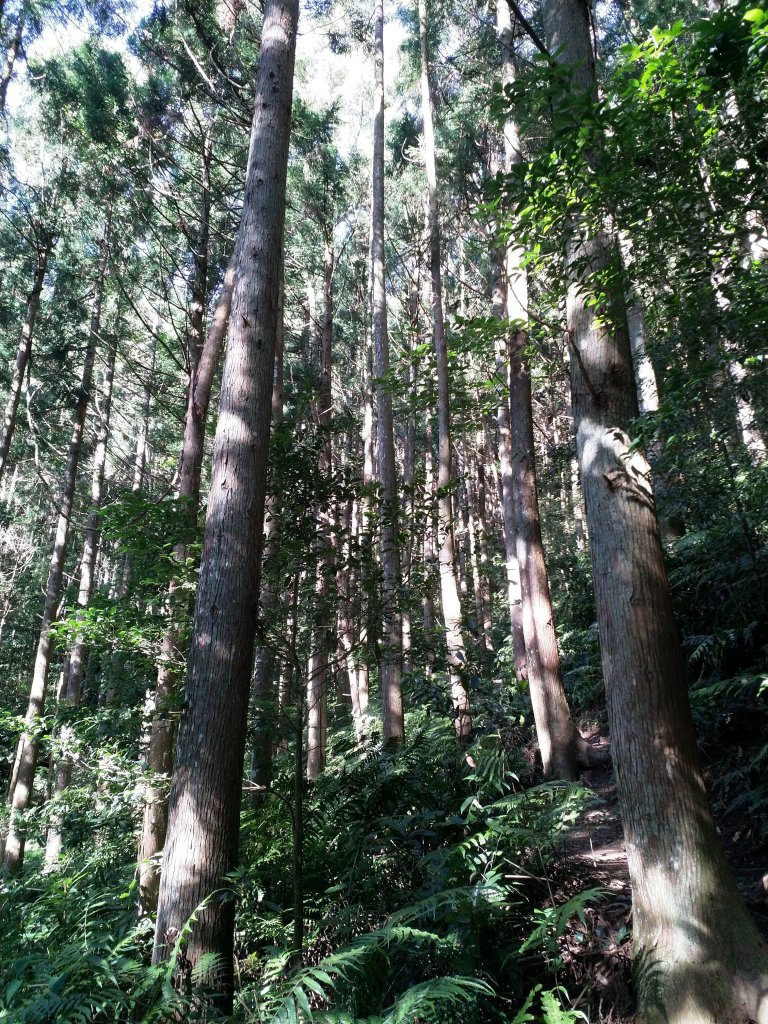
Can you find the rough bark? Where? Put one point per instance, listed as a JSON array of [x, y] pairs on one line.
[[204, 807], [25, 764], [509, 300], [262, 687], [159, 758], [429, 554], [698, 956], [393, 727], [563, 750], [410, 541], [23, 353]]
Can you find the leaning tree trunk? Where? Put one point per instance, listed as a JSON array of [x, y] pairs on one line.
[[449, 590], [23, 353], [160, 745], [23, 774], [563, 750], [204, 807], [698, 956], [393, 727], [73, 675]]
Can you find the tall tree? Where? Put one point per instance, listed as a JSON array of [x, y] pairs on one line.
[[203, 367], [74, 670], [449, 589], [389, 673], [25, 764], [563, 751], [204, 807], [697, 953], [43, 251]]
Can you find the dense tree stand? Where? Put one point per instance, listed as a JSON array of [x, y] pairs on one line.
[[339, 670]]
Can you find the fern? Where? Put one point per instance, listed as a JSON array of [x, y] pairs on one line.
[[551, 922]]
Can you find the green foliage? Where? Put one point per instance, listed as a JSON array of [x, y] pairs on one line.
[[73, 951], [419, 878], [88, 94]]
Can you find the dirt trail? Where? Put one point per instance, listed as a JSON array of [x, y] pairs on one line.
[[597, 950]]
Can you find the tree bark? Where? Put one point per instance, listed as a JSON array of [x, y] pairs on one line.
[[449, 592], [698, 956], [514, 589], [204, 806], [318, 674], [160, 745], [481, 525], [505, 286], [262, 687], [23, 774], [23, 353], [563, 750], [393, 727]]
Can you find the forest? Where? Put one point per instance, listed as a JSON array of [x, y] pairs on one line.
[[384, 511]]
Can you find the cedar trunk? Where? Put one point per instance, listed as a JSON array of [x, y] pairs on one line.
[[160, 745], [697, 953], [389, 667], [319, 671], [562, 748], [23, 353], [204, 807], [449, 590]]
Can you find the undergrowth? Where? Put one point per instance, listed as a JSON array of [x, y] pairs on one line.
[[425, 898]]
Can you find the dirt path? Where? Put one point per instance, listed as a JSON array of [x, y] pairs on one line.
[[597, 950]]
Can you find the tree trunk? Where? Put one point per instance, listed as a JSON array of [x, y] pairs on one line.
[[411, 539], [563, 750], [204, 807], [514, 590], [73, 675], [481, 519], [318, 674], [698, 956], [11, 57], [393, 727], [160, 746], [23, 775], [23, 353], [449, 592], [428, 551], [505, 286], [262, 687]]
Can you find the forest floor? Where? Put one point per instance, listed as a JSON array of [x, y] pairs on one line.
[[596, 950]]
